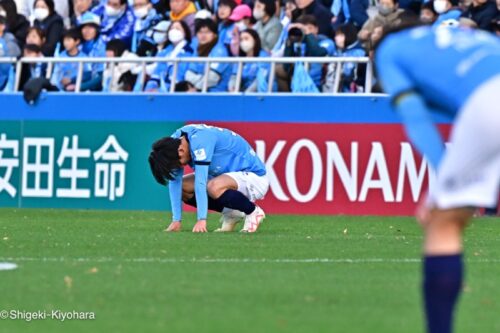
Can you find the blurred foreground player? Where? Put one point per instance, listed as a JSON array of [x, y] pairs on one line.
[[454, 73], [228, 176]]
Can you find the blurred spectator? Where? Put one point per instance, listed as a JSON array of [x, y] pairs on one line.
[[219, 73], [179, 38], [448, 12], [250, 47], [80, 7], [241, 16], [322, 14], [117, 21], [185, 86], [388, 14], [482, 12], [467, 23], [17, 24], [51, 24], [427, 13], [302, 41], [65, 74], [226, 26], [290, 15], [183, 10], [268, 26], [29, 71], [119, 76], [146, 18], [310, 25], [347, 44], [495, 26], [93, 46], [10, 47], [199, 17], [349, 11], [24, 7], [7, 47], [160, 34], [35, 36]]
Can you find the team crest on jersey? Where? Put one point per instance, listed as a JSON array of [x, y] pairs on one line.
[[200, 154]]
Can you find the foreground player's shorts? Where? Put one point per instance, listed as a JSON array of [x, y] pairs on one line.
[[252, 186], [469, 174]]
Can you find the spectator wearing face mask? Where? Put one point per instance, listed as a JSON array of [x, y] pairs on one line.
[[388, 14], [179, 39], [183, 10], [160, 35], [241, 16], [208, 46], [117, 21], [93, 46], [50, 23], [268, 26], [250, 47], [146, 18], [482, 12], [448, 11], [225, 24], [17, 24]]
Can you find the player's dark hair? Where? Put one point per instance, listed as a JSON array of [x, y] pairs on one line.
[[164, 159]]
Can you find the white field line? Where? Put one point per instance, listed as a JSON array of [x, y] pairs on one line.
[[230, 260]]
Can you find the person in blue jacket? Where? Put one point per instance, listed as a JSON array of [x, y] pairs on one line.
[[65, 74], [348, 45], [219, 73], [250, 46], [179, 40], [455, 74], [117, 21], [93, 46]]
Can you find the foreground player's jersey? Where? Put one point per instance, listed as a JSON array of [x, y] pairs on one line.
[[443, 65], [221, 149]]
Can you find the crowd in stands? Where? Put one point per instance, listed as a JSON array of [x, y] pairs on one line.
[[168, 29]]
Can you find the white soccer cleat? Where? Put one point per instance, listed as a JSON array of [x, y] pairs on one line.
[[253, 220], [229, 220]]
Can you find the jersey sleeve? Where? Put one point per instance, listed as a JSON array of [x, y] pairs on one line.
[[394, 79], [175, 190], [202, 146]]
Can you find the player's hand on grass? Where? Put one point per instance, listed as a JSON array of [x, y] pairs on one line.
[[200, 226], [174, 226]]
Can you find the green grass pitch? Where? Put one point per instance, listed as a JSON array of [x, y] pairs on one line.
[[306, 274]]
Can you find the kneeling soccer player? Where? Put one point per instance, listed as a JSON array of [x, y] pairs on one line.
[[228, 176], [454, 73]]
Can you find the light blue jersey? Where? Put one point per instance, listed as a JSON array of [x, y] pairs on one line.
[[437, 70], [223, 69], [214, 151]]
